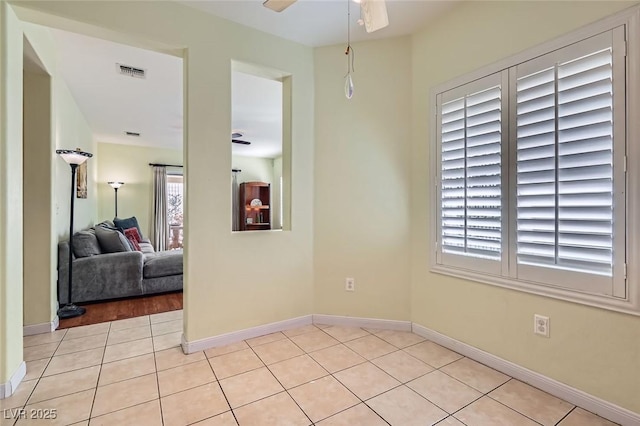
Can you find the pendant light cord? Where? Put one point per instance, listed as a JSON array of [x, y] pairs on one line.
[[349, 51]]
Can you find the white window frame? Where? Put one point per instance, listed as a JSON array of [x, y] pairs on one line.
[[625, 299]]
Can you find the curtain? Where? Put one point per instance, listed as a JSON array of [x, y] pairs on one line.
[[160, 230], [235, 208]]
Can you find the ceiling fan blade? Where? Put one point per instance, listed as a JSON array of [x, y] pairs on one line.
[[374, 13], [278, 5], [238, 141], [236, 135]]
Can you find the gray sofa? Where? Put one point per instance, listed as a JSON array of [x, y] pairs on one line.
[[103, 276]]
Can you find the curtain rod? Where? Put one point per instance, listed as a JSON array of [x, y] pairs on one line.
[[164, 165], [175, 165]]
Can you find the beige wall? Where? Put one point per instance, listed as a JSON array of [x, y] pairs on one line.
[[72, 131], [362, 186], [130, 164], [69, 130], [594, 350], [39, 294], [233, 280], [254, 169], [10, 193]]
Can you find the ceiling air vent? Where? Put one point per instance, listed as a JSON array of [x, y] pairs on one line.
[[135, 134], [130, 71]]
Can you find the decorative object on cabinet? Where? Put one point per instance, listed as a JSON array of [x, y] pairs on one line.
[[254, 206]]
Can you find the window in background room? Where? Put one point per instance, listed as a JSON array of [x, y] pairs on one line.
[[175, 199], [531, 172]]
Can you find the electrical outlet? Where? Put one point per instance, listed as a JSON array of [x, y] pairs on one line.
[[541, 325], [350, 284]]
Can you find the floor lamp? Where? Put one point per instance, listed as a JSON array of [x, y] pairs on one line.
[[115, 186], [74, 159]]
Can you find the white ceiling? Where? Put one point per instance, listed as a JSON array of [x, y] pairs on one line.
[[113, 103], [324, 22], [257, 114]]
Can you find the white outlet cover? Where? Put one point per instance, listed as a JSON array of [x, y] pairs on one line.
[[350, 284], [541, 325]]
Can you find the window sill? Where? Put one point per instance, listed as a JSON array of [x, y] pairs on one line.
[[626, 306]]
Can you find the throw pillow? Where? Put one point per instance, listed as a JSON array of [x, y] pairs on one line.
[[85, 244], [130, 222], [134, 233], [112, 241], [134, 238]]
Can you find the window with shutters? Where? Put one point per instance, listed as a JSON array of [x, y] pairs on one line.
[[531, 179], [471, 175]]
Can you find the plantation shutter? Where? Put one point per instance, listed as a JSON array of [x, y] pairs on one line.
[[565, 165], [470, 149]]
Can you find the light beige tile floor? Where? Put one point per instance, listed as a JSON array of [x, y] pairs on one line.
[[134, 372]]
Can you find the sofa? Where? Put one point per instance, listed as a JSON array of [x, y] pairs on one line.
[[100, 273]]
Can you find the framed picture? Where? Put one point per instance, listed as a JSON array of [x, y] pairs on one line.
[[81, 185]]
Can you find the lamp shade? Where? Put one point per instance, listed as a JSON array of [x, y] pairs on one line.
[[73, 157], [116, 185]]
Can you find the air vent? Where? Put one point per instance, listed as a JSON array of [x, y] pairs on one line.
[[134, 134], [131, 71]]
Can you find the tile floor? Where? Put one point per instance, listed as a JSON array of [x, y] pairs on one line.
[[132, 372]]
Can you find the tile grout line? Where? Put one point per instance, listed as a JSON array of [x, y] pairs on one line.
[[401, 383], [120, 381], [280, 383], [95, 393], [155, 363], [26, 401], [268, 367], [222, 390], [566, 415], [512, 408], [360, 399], [342, 384]]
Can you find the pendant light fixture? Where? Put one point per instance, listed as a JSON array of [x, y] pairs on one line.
[[348, 80]]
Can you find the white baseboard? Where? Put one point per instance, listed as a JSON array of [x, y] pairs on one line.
[[7, 389], [248, 333], [45, 327], [382, 324], [575, 396]]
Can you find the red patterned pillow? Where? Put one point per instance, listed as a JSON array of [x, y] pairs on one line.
[[133, 236]]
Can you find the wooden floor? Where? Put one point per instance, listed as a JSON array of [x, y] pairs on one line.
[[123, 309]]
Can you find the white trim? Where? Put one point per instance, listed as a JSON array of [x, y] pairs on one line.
[[382, 324], [260, 330], [8, 389], [603, 302], [45, 327], [247, 333], [575, 396]]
